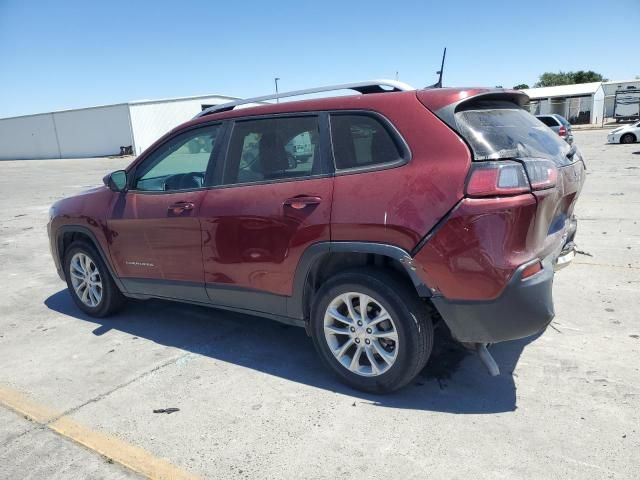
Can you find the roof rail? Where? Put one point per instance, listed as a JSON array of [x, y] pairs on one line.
[[370, 86]]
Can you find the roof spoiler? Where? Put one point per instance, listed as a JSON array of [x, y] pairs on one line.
[[444, 103]]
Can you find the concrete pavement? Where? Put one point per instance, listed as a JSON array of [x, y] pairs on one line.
[[255, 401]]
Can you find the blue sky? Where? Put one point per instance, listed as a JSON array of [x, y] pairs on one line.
[[65, 54]]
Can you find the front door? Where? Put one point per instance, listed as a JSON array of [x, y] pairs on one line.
[[274, 201], [155, 232]]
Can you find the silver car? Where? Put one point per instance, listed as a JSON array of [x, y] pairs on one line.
[[558, 124], [626, 134]]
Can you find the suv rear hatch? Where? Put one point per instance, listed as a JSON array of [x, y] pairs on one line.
[[520, 195]]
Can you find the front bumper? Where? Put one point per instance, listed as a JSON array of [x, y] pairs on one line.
[[524, 308], [613, 139]]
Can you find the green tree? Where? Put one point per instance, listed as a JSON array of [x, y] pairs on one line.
[[551, 79], [521, 86], [586, 77]]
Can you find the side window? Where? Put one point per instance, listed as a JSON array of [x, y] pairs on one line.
[[180, 164], [273, 149], [548, 121], [361, 141]]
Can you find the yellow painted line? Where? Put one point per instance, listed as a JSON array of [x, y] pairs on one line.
[[132, 457], [23, 405]]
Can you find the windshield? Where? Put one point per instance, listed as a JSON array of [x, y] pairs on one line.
[[502, 130]]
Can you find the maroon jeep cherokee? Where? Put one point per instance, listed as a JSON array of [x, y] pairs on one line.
[[363, 218]]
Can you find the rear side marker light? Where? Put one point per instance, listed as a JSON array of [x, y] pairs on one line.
[[497, 178], [531, 270]]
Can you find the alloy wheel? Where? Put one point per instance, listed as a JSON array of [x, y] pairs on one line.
[[361, 334], [86, 279]]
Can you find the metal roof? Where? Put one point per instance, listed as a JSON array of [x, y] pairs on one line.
[[132, 102], [575, 90]]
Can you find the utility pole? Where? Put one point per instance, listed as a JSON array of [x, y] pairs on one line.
[[276, 81]]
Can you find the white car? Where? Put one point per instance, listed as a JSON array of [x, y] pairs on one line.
[[626, 134]]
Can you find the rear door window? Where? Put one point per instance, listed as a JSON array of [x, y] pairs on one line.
[[497, 130], [273, 149], [362, 141]]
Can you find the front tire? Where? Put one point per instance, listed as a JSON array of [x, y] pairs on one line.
[[382, 350], [628, 138], [89, 281]]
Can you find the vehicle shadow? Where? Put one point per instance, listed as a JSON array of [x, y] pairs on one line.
[[453, 381]]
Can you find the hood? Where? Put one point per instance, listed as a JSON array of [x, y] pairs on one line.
[[620, 129]]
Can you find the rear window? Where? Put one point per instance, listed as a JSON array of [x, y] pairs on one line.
[[501, 130], [548, 121]]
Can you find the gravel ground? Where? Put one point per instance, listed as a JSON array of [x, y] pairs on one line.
[[254, 400]]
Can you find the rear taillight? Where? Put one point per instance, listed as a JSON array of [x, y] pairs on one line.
[[542, 173], [562, 132], [497, 178], [507, 177]]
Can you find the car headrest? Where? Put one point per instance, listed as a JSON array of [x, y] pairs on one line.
[[273, 156]]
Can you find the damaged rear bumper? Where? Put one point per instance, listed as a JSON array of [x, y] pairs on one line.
[[524, 308]]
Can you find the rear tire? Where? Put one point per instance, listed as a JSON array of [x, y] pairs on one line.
[[628, 138], [350, 345], [89, 281]]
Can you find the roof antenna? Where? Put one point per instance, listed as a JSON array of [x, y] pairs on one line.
[[438, 84]]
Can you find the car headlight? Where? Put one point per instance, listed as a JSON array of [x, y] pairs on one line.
[[52, 212]]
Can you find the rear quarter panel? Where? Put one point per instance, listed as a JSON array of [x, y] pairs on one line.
[[400, 205]]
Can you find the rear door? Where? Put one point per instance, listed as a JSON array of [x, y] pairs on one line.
[[271, 205], [154, 227]]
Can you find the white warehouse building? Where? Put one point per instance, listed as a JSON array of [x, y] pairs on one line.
[[582, 103], [97, 131]]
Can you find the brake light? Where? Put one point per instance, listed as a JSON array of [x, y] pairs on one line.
[[497, 178], [563, 131], [542, 173]]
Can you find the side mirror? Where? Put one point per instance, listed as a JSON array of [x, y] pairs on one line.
[[116, 181]]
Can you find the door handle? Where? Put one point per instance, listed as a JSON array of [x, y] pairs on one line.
[[298, 203], [180, 207]]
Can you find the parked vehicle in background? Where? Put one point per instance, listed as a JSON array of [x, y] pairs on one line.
[[626, 134], [392, 226], [558, 124], [627, 105]]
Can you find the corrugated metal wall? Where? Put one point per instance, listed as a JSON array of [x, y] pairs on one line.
[[150, 121], [90, 132], [28, 137], [97, 131], [93, 132]]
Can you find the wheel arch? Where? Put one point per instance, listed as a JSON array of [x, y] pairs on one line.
[[67, 234], [324, 259]]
